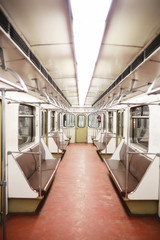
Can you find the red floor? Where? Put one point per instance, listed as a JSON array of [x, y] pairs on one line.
[[82, 205]]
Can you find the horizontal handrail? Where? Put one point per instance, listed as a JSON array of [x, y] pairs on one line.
[[115, 137], [52, 136], [144, 153], [10, 152]]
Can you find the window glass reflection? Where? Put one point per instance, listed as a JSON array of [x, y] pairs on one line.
[[81, 121], [26, 125], [140, 126], [93, 121]]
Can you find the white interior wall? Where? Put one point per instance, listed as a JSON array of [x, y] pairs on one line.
[[154, 129], [12, 126]]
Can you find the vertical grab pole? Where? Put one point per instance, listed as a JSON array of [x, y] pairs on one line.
[[159, 190], [40, 152], [68, 131], [62, 135], [3, 165], [58, 143], [106, 139], [127, 152], [106, 117]]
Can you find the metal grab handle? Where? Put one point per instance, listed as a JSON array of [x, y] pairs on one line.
[[151, 89], [24, 88], [15, 74], [3, 80], [10, 152]]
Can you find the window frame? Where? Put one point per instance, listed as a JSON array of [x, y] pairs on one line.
[[70, 121], [31, 137], [120, 123], [110, 126], [138, 122], [52, 120], [81, 115], [104, 121], [44, 123], [96, 115]]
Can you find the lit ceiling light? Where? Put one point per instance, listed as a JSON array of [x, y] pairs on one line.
[[88, 28]]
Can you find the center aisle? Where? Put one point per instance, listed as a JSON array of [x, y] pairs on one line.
[[82, 205]]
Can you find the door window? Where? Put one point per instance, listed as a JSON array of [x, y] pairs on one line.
[[81, 121]]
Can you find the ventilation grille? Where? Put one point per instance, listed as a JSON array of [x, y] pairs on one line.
[[18, 40], [4, 22], [118, 80], [8, 28], [44, 72], [54, 85], [50, 79], [126, 72], [153, 46], [35, 60], [138, 61]]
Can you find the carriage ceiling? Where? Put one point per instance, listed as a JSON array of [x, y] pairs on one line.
[[46, 28]]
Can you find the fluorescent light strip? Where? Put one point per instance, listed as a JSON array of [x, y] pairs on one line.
[[88, 28]]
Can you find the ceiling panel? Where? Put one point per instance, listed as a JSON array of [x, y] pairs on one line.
[[133, 22], [101, 83], [130, 27], [40, 22], [113, 60], [57, 59], [46, 28]]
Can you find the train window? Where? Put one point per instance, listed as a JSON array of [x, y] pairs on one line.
[[104, 121], [120, 124], [81, 121], [59, 121], [68, 120], [93, 121], [140, 125], [26, 125], [110, 121], [52, 121], [65, 120], [44, 123]]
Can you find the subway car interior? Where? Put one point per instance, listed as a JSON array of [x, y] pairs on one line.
[[80, 119]]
